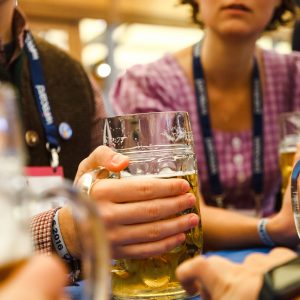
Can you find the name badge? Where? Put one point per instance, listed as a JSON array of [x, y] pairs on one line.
[[42, 178]]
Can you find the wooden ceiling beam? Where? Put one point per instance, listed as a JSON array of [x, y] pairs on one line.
[[161, 12]]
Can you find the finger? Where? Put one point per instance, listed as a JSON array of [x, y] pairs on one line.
[[266, 261], [281, 255], [105, 157], [145, 211], [257, 260], [125, 235], [45, 275], [138, 189], [187, 276], [145, 250], [204, 271]]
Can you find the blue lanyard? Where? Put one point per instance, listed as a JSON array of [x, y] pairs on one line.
[[205, 125], [41, 99]]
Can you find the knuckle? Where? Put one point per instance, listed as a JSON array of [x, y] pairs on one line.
[[153, 211], [175, 186], [154, 232], [108, 215], [113, 237], [146, 189], [101, 189]]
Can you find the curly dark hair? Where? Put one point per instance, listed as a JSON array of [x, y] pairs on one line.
[[283, 15]]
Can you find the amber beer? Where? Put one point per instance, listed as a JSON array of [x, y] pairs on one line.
[[158, 145], [286, 160], [154, 278]]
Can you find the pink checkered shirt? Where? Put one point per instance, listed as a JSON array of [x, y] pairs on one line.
[[163, 86]]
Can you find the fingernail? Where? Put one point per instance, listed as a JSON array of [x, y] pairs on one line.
[[185, 186], [193, 220], [117, 159], [181, 238], [191, 199]]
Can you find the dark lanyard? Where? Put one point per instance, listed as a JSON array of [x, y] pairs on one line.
[[41, 99], [205, 125]]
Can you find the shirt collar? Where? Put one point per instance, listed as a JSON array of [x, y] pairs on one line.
[[19, 29]]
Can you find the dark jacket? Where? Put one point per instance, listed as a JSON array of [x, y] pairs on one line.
[[71, 100]]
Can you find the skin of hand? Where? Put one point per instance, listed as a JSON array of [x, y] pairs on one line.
[[140, 215], [42, 278], [281, 227], [219, 279]]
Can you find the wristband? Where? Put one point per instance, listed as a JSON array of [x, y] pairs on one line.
[[263, 234], [58, 240]]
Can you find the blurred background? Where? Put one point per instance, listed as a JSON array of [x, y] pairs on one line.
[[108, 36]]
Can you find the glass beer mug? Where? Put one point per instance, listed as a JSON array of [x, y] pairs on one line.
[[289, 138], [158, 145], [18, 205], [16, 245], [295, 184]]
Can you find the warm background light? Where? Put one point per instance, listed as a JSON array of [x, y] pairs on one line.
[[109, 36]]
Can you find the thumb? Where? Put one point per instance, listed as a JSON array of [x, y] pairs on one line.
[[105, 157]]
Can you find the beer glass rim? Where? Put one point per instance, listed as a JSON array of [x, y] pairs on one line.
[[172, 112]]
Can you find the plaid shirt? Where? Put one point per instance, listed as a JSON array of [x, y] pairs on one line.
[[41, 225], [163, 86]]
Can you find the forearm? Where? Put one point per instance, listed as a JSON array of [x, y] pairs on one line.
[[226, 229]]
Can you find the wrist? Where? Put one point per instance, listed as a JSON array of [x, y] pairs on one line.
[[68, 231], [283, 231], [62, 250], [273, 230]]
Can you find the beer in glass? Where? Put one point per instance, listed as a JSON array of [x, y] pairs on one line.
[[290, 137], [158, 145]]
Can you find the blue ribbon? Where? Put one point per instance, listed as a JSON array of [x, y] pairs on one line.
[[41, 98]]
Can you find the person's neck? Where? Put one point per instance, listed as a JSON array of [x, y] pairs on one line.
[[227, 63], [6, 20]]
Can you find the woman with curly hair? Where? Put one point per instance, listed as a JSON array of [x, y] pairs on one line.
[[234, 92]]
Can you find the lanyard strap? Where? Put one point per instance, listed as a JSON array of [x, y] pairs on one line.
[[205, 124], [41, 99]]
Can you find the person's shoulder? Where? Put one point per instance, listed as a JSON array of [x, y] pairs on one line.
[[284, 59], [184, 57], [159, 70]]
